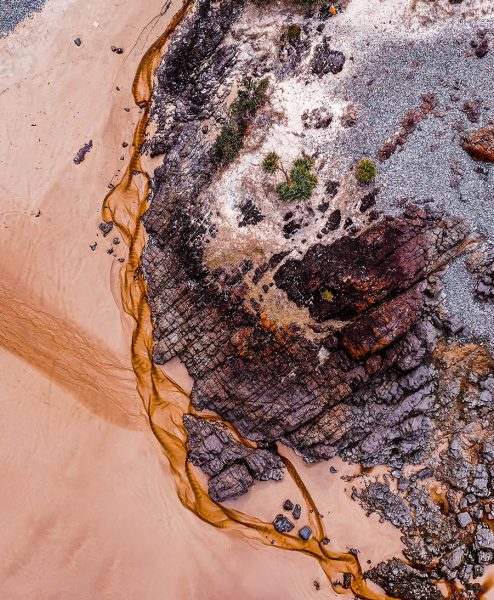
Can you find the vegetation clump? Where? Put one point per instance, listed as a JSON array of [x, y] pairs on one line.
[[293, 32], [327, 295], [271, 162], [366, 170], [301, 180], [250, 97]]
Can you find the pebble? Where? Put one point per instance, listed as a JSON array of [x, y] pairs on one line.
[[305, 533]]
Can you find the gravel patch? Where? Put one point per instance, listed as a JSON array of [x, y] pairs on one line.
[[12, 12], [385, 76]]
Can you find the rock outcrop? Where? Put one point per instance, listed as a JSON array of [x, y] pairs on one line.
[[319, 325]]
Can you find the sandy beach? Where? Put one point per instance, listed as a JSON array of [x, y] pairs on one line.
[[88, 504], [89, 507]]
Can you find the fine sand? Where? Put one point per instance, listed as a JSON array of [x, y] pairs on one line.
[[88, 505]]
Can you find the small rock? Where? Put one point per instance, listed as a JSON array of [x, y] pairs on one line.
[[81, 154], [288, 505], [297, 511], [282, 524], [464, 519], [482, 48], [93, 246], [484, 538], [106, 227], [77, 41], [305, 533]]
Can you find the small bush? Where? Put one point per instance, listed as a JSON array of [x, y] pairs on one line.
[[293, 32], [327, 295], [366, 170], [227, 145], [249, 98], [300, 183], [271, 162], [251, 95]]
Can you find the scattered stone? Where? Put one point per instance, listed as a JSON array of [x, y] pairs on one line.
[[288, 505], [297, 511], [305, 533], [106, 227], [93, 246], [464, 519], [472, 110], [81, 154], [282, 524], [318, 118], [480, 144], [77, 41]]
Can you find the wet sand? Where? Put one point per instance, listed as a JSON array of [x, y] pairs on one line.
[[90, 509]]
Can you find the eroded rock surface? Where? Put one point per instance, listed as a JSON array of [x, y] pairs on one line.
[[319, 324]]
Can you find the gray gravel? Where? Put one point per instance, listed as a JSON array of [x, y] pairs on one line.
[[432, 167], [13, 12]]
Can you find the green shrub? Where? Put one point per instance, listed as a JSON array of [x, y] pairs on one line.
[[228, 144], [251, 95], [300, 183], [327, 295], [293, 32], [271, 162], [365, 170], [249, 98]]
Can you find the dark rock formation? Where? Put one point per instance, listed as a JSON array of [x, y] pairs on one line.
[[233, 482], [402, 581], [232, 466], [398, 253], [326, 60], [357, 369], [481, 263]]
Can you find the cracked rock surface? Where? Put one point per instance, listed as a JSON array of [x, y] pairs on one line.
[[324, 324]]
